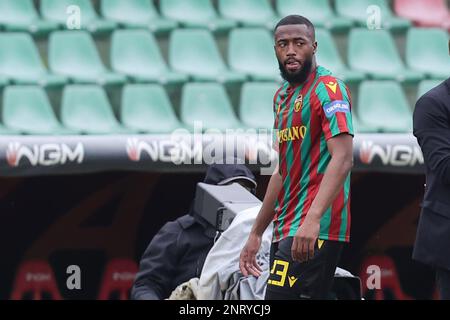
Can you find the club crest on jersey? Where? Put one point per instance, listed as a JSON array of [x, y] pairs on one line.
[[298, 103], [332, 86]]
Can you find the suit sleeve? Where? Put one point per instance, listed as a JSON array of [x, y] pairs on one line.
[[332, 101], [158, 265], [432, 130]]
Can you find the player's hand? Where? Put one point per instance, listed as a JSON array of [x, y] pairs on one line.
[[247, 259], [305, 239]]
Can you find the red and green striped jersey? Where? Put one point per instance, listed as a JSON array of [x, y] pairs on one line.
[[306, 116]]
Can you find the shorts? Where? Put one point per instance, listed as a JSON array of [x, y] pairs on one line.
[[292, 280]]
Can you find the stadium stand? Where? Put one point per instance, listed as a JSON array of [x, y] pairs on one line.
[[319, 12], [171, 43], [20, 61], [57, 11], [147, 108], [195, 14], [209, 103], [28, 110], [427, 85], [136, 14], [250, 13], [118, 279], [391, 287], [74, 54], [136, 54], [256, 105], [195, 53], [430, 13], [383, 106], [35, 281], [375, 53], [426, 51], [86, 108], [23, 16], [7, 132], [359, 11], [250, 51], [328, 56]]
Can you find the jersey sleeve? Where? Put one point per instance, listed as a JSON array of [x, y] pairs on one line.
[[333, 103], [275, 107]]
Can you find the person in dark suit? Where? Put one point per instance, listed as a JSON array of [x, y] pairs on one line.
[[178, 251], [432, 130]]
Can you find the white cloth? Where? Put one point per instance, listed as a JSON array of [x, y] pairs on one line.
[[221, 278]]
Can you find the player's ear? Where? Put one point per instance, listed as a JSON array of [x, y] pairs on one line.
[[315, 47]]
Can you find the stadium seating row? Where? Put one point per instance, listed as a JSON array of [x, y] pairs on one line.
[[146, 108], [23, 16], [35, 280], [193, 55]]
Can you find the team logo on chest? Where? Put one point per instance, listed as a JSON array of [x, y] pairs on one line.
[[298, 103]]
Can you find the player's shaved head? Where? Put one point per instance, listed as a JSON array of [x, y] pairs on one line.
[[297, 19]]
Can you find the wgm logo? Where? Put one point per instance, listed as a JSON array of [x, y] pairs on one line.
[[393, 155], [123, 276], [163, 150], [44, 154]]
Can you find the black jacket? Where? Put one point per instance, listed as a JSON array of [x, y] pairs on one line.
[[179, 249], [432, 129]]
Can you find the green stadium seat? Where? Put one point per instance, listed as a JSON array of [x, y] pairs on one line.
[[28, 110], [86, 108], [361, 127], [20, 61], [209, 104], [427, 52], [256, 107], [360, 12], [22, 16], [319, 12], [136, 54], [382, 105], [195, 14], [374, 52], [250, 51], [427, 85], [328, 56], [194, 52], [3, 81], [74, 54], [59, 11], [249, 13], [136, 14], [7, 132], [147, 108]]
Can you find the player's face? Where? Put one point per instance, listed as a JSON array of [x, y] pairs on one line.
[[295, 48]]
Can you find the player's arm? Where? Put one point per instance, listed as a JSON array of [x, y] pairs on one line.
[[247, 261], [341, 150]]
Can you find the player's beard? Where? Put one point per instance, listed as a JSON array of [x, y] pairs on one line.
[[299, 76]]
